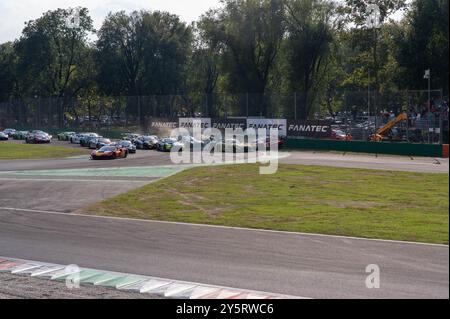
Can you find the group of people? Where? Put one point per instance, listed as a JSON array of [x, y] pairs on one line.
[[425, 114], [431, 114]]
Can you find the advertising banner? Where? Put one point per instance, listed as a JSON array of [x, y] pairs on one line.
[[189, 123], [309, 128], [278, 124], [230, 123], [163, 123]]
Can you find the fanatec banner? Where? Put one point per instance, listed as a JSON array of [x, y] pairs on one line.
[[299, 128], [231, 123], [190, 123], [268, 124], [309, 128], [163, 123]]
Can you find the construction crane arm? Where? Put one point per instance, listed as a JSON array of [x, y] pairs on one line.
[[383, 130]]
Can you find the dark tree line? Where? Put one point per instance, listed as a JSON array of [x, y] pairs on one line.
[[317, 48]]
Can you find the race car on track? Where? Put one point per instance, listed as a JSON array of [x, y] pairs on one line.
[[19, 135], [38, 137], [75, 139], [189, 143], [166, 144], [3, 136], [65, 136], [97, 143], [109, 152], [262, 142], [230, 145], [130, 136], [9, 131], [146, 142], [86, 138], [127, 145]]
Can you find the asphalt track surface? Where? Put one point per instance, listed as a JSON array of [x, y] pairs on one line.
[[345, 160], [286, 263]]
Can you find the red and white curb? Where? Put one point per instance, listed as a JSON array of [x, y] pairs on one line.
[[129, 282]]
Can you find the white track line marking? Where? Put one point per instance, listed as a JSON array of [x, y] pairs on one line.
[[221, 227]]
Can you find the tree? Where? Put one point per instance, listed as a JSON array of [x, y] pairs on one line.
[[424, 45], [120, 54], [204, 68], [250, 32], [365, 35], [52, 53], [8, 61], [358, 11], [306, 47], [52, 57], [143, 53]]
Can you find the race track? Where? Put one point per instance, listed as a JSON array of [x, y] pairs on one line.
[[303, 265], [299, 265]]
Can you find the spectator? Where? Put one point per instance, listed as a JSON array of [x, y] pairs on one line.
[[391, 116]]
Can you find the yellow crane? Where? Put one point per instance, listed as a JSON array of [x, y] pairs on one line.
[[382, 131]]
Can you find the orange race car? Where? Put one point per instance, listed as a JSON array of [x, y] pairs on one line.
[[109, 152]]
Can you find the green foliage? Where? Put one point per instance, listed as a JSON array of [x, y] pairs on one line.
[[142, 52], [306, 48], [249, 33], [8, 61], [317, 48], [424, 45], [53, 57]]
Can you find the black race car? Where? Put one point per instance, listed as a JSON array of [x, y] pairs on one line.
[[38, 137], [127, 145], [166, 144], [146, 142], [85, 139], [97, 143]]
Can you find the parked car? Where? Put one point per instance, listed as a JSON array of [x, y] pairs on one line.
[[3, 137]]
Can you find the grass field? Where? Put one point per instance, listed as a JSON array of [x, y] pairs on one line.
[[10, 151], [351, 202]]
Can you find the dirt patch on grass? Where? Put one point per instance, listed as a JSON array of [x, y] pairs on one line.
[[351, 204]]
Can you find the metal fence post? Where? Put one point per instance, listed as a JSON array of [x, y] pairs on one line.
[[206, 104], [246, 103], [295, 105]]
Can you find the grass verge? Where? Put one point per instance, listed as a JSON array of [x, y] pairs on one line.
[[9, 151], [337, 201]]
